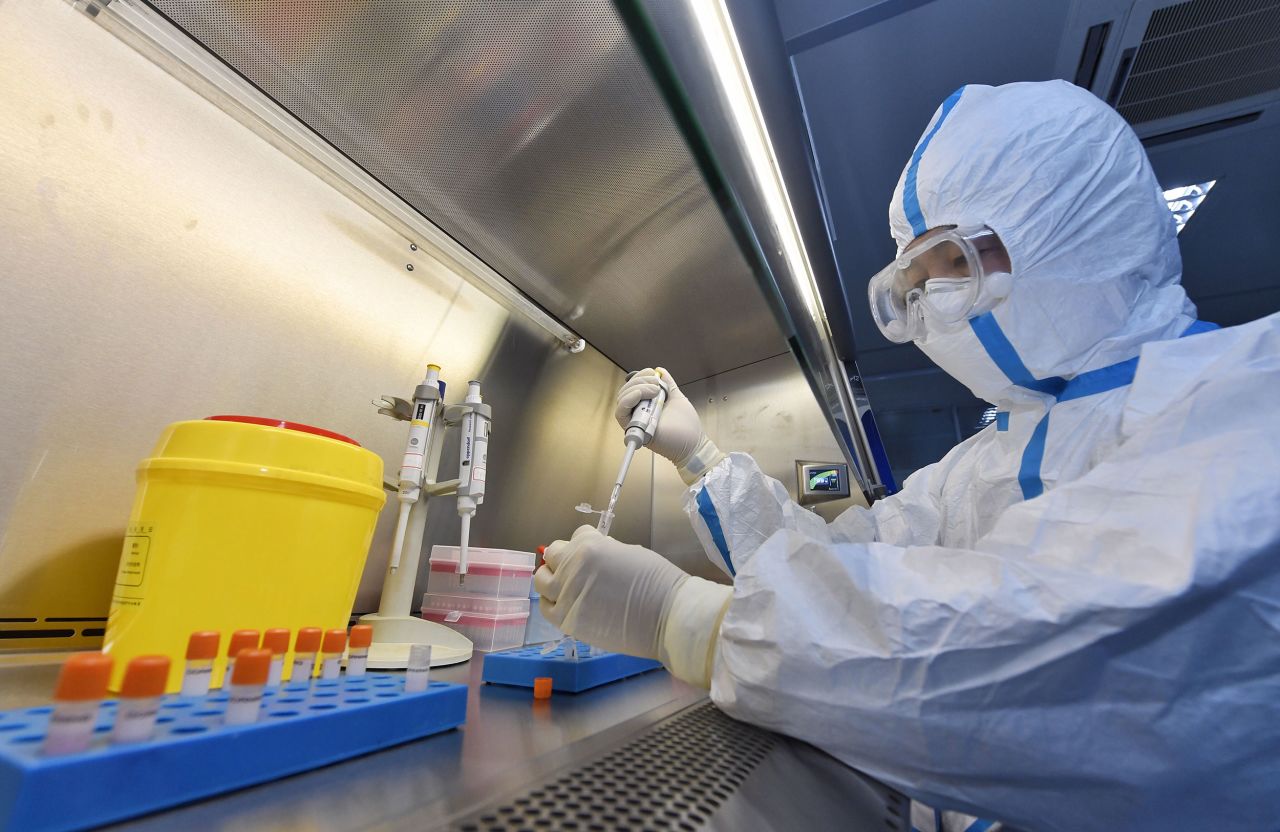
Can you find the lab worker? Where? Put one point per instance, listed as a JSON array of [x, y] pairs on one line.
[[1072, 620]]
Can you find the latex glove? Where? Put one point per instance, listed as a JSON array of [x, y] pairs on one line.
[[629, 599], [679, 435]]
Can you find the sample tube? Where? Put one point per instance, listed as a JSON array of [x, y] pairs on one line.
[[304, 654], [335, 641], [145, 678], [202, 650], [240, 640], [419, 668], [277, 641], [82, 684], [248, 678], [358, 649]]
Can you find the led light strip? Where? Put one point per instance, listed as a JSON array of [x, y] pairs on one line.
[[716, 30]]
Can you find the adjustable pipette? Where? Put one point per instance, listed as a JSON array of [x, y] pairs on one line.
[[639, 432], [425, 401], [473, 461]]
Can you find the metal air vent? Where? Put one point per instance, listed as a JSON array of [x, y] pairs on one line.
[[1199, 54], [701, 770], [695, 762]]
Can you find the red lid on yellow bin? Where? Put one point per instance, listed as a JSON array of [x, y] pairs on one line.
[[281, 423]]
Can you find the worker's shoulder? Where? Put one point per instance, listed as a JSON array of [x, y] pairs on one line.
[[1234, 369]]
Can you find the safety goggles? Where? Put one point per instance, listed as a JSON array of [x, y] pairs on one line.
[[937, 284]]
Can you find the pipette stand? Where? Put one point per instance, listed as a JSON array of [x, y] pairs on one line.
[[395, 628]]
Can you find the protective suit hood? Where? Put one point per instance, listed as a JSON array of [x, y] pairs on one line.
[[1067, 186]]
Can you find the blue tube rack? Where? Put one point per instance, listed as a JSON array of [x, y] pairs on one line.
[[524, 664], [194, 755]]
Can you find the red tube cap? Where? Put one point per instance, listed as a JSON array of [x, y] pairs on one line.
[[252, 667]]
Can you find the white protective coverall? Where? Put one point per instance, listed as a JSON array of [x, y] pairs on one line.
[[1071, 621]]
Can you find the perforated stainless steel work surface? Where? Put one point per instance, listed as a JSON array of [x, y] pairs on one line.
[[698, 769], [532, 133]]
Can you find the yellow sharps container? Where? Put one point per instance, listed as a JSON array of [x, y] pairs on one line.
[[241, 523]]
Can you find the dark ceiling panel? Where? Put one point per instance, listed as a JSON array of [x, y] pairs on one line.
[[1228, 246]]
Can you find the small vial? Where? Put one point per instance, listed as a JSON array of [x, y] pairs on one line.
[[82, 684], [419, 669], [145, 678], [277, 641], [248, 678], [571, 650], [542, 687], [358, 649], [304, 654], [240, 640], [335, 641], [202, 650]]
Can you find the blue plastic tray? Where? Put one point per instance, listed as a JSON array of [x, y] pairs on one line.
[[524, 664], [194, 755]]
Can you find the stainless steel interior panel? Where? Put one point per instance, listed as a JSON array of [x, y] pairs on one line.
[[532, 133], [765, 409], [159, 261]]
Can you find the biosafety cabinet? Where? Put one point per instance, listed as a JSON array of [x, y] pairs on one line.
[[287, 209]]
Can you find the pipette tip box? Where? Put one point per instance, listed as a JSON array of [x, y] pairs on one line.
[[521, 666], [193, 755]]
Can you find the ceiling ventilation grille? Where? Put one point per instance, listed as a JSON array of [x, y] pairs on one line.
[[1202, 53]]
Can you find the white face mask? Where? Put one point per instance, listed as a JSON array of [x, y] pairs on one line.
[[947, 300]]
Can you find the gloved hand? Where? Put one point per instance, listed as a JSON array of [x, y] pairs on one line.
[[679, 435], [628, 599]]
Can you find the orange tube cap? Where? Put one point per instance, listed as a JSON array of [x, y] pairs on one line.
[[276, 640], [308, 640], [84, 676], [144, 677], [361, 635], [335, 641], [203, 644], [242, 640], [252, 667]]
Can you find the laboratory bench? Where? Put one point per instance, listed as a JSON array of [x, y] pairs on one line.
[[647, 752]]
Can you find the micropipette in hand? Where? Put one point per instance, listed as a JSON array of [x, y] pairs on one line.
[[638, 433]]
